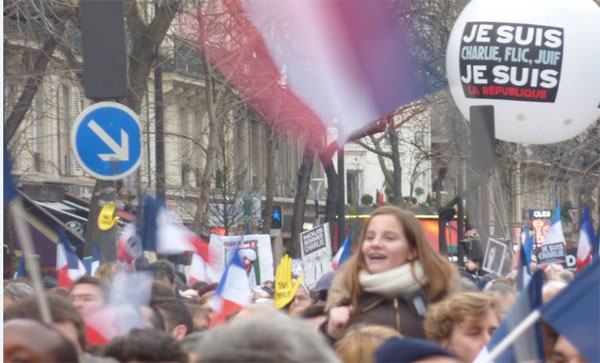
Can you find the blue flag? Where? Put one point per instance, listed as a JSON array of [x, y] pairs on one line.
[[529, 346], [575, 312], [93, 262], [152, 207], [10, 191], [596, 248], [523, 273], [21, 271]]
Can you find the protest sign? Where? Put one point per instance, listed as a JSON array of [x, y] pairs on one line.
[[552, 253], [255, 251], [494, 256], [315, 247]]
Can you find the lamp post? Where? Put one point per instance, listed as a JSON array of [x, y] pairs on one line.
[[315, 186]]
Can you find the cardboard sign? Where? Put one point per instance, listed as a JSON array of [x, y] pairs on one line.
[[255, 251], [552, 253], [315, 246], [493, 259]]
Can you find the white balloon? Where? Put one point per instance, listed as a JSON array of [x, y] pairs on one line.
[[497, 44]]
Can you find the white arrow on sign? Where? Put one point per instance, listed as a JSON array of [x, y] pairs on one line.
[[121, 152]]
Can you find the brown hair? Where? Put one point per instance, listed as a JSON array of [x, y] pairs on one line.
[[360, 342], [61, 311], [441, 318], [439, 271], [91, 280]]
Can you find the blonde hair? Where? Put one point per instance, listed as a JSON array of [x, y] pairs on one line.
[[360, 342], [440, 273], [441, 317]]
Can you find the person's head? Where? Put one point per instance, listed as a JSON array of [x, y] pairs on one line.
[[503, 292], [390, 238], [566, 276], [177, 318], [145, 345], [269, 285], [163, 271], [199, 316], [257, 309], [564, 352], [190, 343], [412, 350], [15, 291], [161, 290], [65, 317], [197, 285], [152, 318], [27, 340], [551, 289], [360, 342], [88, 294], [264, 338], [553, 271], [106, 272], [300, 303], [463, 323]]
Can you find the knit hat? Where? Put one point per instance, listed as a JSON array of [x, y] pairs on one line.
[[408, 350]]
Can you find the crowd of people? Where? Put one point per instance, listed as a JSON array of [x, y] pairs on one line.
[[394, 300]]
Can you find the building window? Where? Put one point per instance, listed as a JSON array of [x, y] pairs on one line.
[[352, 186]]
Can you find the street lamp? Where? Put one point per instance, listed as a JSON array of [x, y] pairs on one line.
[[315, 186]]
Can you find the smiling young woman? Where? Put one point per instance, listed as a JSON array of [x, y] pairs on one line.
[[391, 277]]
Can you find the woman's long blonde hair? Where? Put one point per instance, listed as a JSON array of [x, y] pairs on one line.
[[439, 271]]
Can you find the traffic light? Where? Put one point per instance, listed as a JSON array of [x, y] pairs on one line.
[[277, 218]]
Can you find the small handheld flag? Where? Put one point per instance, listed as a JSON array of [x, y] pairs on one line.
[[68, 266], [586, 239], [555, 234], [21, 271], [342, 254], [233, 291]]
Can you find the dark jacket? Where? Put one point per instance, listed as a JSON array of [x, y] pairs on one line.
[[398, 314]]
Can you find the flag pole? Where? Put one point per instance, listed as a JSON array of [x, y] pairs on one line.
[[514, 334], [18, 213]]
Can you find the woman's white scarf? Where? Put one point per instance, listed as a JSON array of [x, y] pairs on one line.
[[394, 282]]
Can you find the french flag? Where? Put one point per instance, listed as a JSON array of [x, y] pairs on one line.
[[128, 293], [93, 262], [586, 239], [197, 269], [555, 234], [68, 266], [129, 246], [301, 63], [342, 254], [523, 272], [21, 271], [233, 291], [162, 234], [381, 196]]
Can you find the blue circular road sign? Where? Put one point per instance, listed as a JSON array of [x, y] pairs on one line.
[[106, 138]]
